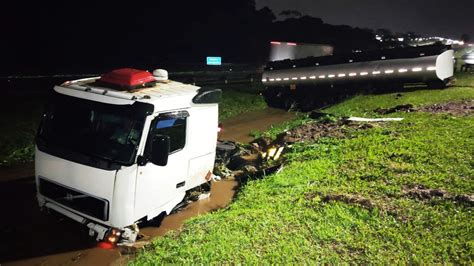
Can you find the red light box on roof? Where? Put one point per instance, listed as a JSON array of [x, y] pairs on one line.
[[128, 78]]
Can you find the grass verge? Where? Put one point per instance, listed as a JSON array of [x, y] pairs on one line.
[[347, 200]]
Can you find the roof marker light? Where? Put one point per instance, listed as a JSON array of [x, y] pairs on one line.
[[322, 77], [291, 43], [416, 69], [331, 76], [364, 73], [388, 71], [431, 68], [376, 72], [402, 70], [341, 75], [275, 42], [302, 77], [294, 78], [352, 74], [312, 77], [286, 79]]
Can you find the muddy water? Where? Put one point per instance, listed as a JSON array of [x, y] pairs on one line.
[[30, 237], [238, 128]]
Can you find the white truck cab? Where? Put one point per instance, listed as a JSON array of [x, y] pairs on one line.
[[115, 150]]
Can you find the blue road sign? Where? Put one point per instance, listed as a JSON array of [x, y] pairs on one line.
[[214, 61]]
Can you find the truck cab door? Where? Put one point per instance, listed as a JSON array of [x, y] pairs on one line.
[[160, 186]]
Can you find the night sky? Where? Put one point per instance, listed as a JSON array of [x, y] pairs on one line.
[[444, 18], [73, 37]]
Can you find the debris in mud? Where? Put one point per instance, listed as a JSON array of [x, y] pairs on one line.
[[264, 155], [133, 249], [370, 204], [77, 257], [423, 193], [350, 199], [455, 108], [314, 131], [402, 107]]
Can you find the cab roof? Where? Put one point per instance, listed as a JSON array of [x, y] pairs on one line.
[[159, 91]]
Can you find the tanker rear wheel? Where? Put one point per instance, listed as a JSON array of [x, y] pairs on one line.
[[437, 85], [277, 98]]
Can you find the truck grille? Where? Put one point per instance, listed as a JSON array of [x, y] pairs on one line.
[[76, 200]]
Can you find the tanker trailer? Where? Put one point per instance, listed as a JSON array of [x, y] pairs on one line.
[[313, 82]]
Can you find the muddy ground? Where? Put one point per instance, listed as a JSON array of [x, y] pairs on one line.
[[454, 108], [32, 237]]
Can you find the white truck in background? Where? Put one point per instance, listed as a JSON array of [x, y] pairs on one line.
[[116, 150]]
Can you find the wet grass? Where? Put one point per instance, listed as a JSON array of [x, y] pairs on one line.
[[240, 99], [287, 217], [19, 118]]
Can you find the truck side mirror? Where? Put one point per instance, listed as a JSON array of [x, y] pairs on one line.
[[160, 148]]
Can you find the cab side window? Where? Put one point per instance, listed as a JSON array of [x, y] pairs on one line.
[[171, 125]]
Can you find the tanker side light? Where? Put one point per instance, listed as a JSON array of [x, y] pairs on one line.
[[402, 70], [388, 71], [272, 79], [291, 44], [278, 79], [416, 69], [364, 73], [431, 68], [331, 76], [294, 78], [303, 78], [286, 78], [376, 72], [352, 74], [341, 75], [273, 42], [322, 77], [312, 77], [264, 80]]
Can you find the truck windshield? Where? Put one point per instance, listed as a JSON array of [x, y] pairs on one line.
[[102, 131]]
